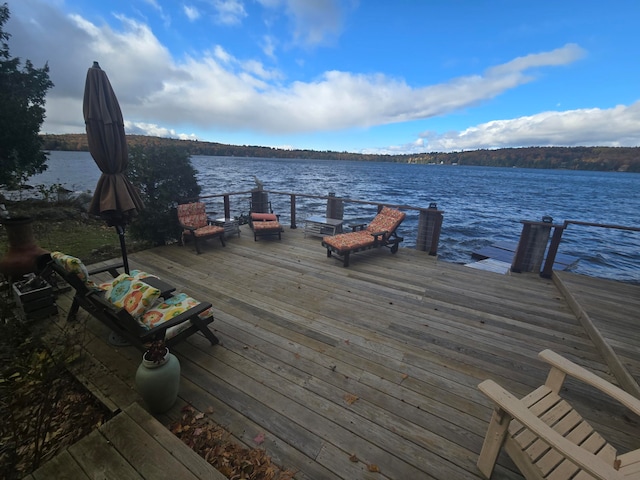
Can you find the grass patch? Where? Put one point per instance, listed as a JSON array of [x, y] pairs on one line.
[[68, 228]]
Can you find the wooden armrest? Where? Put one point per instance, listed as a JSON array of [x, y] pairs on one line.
[[379, 234], [184, 316], [576, 371], [112, 269], [516, 409], [357, 226]]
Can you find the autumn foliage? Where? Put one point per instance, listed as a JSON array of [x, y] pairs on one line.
[[214, 444]]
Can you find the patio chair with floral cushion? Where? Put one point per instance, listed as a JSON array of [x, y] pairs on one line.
[[137, 307], [381, 232], [195, 224]]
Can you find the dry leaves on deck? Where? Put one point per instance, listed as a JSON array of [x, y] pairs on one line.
[[350, 399], [213, 443]]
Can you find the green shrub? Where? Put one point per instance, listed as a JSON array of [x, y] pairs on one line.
[[165, 177]]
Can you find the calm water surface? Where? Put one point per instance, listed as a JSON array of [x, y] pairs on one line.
[[481, 204]]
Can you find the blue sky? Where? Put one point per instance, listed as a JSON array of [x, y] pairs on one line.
[[375, 76]]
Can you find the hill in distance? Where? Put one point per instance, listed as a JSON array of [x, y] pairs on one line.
[[621, 159]]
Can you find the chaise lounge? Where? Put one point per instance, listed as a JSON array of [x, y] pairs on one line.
[[264, 224], [137, 307], [381, 232]]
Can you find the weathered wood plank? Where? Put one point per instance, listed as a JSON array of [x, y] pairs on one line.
[[409, 336]]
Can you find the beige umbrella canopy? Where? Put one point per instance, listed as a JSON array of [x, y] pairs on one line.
[[115, 198]]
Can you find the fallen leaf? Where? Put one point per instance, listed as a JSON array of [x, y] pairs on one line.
[[373, 468], [354, 458], [350, 399], [404, 376], [258, 439]]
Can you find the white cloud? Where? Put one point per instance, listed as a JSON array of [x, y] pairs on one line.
[[229, 12], [154, 130], [614, 127], [269, 46], [315, 22], [191, 12], [216, 91]]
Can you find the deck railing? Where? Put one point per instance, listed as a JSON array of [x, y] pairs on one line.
[[532, 246], [429, 218]]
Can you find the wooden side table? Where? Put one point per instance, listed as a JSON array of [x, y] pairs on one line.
[[231, 226], [322, 226]]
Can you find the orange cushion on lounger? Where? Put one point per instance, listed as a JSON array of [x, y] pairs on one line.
[[263, 226], [264, 216]]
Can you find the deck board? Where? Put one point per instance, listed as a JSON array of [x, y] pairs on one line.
[[408, 335]]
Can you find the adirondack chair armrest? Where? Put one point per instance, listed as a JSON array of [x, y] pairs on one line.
[[567, 367], [516, 409]]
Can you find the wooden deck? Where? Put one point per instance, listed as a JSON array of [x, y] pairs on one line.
[[376, 363]]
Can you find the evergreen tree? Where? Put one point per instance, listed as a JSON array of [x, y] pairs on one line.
[[22, 99], [165, 177]]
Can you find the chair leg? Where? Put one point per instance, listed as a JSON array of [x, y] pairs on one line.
[[195, 241], [222, 240], [493, 441], [73, 311], [345, 261]]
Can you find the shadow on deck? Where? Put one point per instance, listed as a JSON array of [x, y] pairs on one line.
[[379, 361]]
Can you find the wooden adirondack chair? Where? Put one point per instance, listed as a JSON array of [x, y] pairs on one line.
[[545, 436]]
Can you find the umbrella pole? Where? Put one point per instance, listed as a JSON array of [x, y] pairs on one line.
[[123, 247]]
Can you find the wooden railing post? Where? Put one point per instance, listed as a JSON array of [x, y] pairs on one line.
[[293, 210], [335, 207], [553, 250], [532, 245], [227, 207], [429, 228]]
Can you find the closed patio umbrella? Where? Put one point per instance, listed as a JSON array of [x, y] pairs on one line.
[[115, 198]]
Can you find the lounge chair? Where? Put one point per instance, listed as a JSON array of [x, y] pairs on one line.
[[381, 232], [265, 224], [137, 307], [195, 224], [547, 438]]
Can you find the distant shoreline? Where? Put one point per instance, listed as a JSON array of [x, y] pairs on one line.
[[605, 159]]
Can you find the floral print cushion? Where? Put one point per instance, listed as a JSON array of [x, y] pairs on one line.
[[131, 294], [266, 225], [73, 265], [193, 214], [387, 220], [136, 274], [206, 231], [264, 216], [350, 241], [169, 308]]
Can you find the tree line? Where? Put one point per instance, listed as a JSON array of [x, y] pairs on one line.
[[622, 159]]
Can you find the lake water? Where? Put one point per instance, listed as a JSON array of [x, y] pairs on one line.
[[481, 205]]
